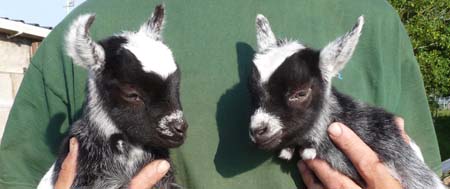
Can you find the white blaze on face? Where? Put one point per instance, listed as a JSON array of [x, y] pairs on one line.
[[154, 55], [260, 118], [176, 116], [268, 61]]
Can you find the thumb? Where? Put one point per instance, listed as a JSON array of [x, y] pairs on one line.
[[67, 173], [150, 175]]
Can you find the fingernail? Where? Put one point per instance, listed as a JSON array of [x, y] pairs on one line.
[[163, 166], [73, 144], [335, 130]]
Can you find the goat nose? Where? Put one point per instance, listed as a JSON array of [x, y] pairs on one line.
[[260, 131], [181, 128]]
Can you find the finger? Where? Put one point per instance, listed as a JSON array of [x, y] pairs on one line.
[[401, 125], [68, 167], [308, 177], [329, 176], [150, 175], [362, 156]]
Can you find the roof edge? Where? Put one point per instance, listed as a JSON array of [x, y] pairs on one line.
[[19, 27]]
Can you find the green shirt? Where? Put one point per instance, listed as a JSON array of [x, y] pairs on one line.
[[213, 43]]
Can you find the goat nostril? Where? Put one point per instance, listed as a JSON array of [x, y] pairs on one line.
[[260, 131], [181, 127]]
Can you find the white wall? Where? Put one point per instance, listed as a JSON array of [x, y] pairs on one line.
[[14, 59]]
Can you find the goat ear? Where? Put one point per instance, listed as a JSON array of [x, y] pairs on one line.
[[155, 23], [80, 46], [337, 53], [264, 35]]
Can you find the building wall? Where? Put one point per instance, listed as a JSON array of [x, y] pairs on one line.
[[15, 55], [444, 102]]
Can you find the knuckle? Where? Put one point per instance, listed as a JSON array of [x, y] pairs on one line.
[[336, 185], [348, 144], [372, 171], [380, 168], [66, 166], [343, 185], [69, 163], [367, 162]]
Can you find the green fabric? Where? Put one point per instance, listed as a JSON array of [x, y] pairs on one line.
[[213, 42]]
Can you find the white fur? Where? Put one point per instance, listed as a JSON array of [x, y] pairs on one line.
[[309, 153], [286, 153], [121, 146], [167, 132], [154, 55], [87, 53], [262, 117], [269, 61], [337, 53], [174, 116], [135, 156], [97, 114], [150, 31], [332, 59], [264, 35], [416, 150], [81, 47], [437, 182], [46, 181], [318, 132], [131, 161]]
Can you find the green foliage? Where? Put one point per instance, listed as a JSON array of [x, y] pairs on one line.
[[427, 22], [441, 126]]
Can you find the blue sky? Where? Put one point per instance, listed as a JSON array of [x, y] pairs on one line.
[[42, 12]]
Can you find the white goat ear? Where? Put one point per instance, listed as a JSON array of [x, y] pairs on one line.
[[337, 53], [155, 23], [80, 46], [264, 35]]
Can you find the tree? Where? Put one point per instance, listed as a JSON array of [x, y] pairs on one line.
[[427, 22]]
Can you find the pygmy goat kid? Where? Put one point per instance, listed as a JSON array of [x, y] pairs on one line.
[[133, 112], [295, 102]]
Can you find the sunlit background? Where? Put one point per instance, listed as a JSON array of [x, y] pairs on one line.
[[42, 12]]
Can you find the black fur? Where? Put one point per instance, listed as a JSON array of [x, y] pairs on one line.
[[375, 126], [120, 131], [295, 104]]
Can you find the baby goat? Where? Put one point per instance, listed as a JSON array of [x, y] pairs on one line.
[[133, 112], [295, 103]]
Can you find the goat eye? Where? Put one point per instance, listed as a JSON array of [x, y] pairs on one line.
[[130, 94], [299, 95], [133, 97]]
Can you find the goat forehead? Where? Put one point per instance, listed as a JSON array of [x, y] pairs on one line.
[[153, 55], [268, 61], [297, 71]]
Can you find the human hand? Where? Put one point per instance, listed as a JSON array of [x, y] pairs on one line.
[[146, 178], [375, 174], [68, 167]]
